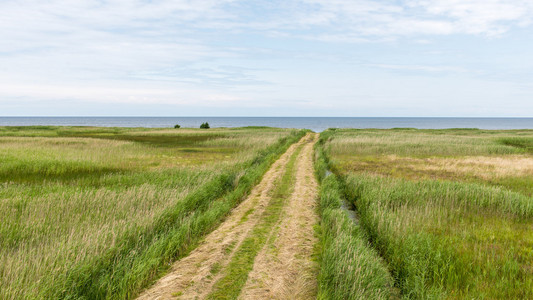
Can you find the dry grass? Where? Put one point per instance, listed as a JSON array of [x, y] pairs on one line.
[[486, 167]]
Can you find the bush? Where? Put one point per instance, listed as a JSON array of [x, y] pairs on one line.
[[205, 125], [177, 126]]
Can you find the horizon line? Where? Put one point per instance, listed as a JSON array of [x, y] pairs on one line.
[[134, 116]]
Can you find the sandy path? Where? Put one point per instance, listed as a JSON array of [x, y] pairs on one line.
[[284, 269], [193, 276]]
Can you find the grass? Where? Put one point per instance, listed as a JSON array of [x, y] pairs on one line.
[[525, 143], [349, 267], [497, 158], [448, 239], [100, 212], [449, 211], [236, 273]]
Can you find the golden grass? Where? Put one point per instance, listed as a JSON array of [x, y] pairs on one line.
[[486, 167]]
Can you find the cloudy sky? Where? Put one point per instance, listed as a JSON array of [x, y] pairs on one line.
[[266, 58]]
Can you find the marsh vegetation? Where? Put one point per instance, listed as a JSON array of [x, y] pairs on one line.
[[447, 212], [100, 212]]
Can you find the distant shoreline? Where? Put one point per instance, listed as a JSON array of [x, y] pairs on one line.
[[317, 124]]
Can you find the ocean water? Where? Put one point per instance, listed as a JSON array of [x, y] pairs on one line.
[[316, 124]]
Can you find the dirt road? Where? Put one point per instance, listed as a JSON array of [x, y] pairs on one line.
[[274, 226]]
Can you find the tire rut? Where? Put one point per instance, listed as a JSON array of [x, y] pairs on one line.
[[193, 276], [285, 268]]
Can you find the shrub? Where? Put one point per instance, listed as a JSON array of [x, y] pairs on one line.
[[205, 125], [177, 126]]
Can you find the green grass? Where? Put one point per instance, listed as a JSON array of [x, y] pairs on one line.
[[448, 239], [525, 143], [449, 211], [100, 213], [349, 267], [87, 215], [497, 158], [236, 273], [426, 142]]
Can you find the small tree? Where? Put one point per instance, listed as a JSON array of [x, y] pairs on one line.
[[177, 126], [205, 125]]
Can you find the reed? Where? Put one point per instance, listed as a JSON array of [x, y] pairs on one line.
[[349, 267], [449, 211]]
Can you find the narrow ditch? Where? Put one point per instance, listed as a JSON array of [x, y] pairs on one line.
[[347, 206], [351, 210]]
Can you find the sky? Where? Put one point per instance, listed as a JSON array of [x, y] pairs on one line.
[[359, 58]]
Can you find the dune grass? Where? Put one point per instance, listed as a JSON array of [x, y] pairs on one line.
[[450, 211], [99, 212]]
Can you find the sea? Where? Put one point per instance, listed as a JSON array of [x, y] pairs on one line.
[[316, 124]]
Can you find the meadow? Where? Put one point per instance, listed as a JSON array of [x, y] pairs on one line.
[[438, 213], [101, 212]]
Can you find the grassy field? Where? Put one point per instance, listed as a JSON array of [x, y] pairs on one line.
[[489, 157], [349, 267], [101, 212], [450, 212]]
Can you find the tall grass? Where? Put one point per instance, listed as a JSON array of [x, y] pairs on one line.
[[423, 143], [497, 158], [349, 267], [442, 233], [448, 239], [93, 217], [525, 143]]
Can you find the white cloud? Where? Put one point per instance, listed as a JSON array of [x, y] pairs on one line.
[[29, 24], [210, 52], [480, 16], [423, 68], [118, 93], [364, 18]]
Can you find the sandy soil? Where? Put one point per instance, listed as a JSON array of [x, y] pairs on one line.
[[294, 275]]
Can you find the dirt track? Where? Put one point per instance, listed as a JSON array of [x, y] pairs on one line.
[[284, 268]]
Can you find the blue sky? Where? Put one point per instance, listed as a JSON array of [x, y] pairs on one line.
[[267, 58]]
